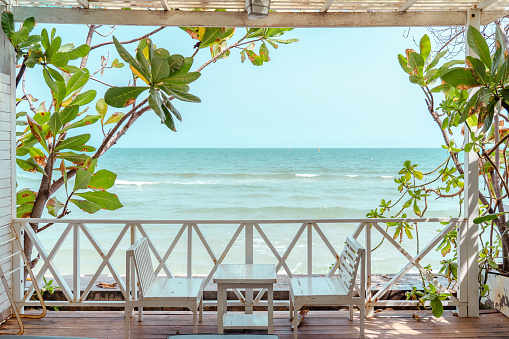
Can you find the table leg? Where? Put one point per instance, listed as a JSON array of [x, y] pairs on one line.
[[220, 311], [270, 305]]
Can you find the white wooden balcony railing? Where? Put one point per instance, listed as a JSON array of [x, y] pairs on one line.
[[126, 232]]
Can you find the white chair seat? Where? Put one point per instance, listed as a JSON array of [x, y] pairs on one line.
[[317, 287], [177, 288]]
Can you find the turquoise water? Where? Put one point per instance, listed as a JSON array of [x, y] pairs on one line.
[[252, 184]]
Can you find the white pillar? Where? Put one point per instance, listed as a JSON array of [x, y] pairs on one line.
[[469, 232]]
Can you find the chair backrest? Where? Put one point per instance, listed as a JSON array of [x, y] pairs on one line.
[[142, 264], [349, 259]]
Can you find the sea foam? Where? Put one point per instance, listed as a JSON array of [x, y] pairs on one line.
[[306, 175]]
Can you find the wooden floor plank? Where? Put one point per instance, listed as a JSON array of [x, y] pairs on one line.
[[325, 324]]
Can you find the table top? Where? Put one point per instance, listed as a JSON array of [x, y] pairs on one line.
[[245, 274]]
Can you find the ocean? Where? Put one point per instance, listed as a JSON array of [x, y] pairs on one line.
[[196, 184]]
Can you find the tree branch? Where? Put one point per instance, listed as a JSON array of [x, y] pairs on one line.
[[129, 41]]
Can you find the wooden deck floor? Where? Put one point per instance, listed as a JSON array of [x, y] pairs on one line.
[[318, 324]]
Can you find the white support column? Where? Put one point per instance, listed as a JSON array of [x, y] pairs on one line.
[[76, 285], [468, 232], [18, 284], [310, 250], [370, 310], [248, 231], [189, 251]]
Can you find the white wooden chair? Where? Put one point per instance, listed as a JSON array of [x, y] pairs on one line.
[[333, 291], [158, 291]]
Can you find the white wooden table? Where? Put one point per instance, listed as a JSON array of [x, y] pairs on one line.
[[244, 276]]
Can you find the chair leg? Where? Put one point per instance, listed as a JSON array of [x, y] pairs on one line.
[[201, 309], [362, 308], [195, 318], [290, 308], [127, 316], [350, 309], [295, 321], [140, 313]]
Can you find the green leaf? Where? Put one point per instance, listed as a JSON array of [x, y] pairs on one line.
[[127, 58], [54, 205], [66, 48], [425, 46], [477, 68], [68, 114], [160, 68], [77, 80], [59, 95], [101, 107], [416, 209], [176, 62], [477, 43], [122, 96], [486, 218], [7, 23], [25, 210], [49, 81], [437, 307], [102, 180], [79, 52], [45, 39], [55, 123], [416, 63], [84, 98], [86, 206], [181, 79], [75, 158], [25, 195], [181, 95], [55, 74], [168, 119], [155, 103], [173, 110], [82, 179], [461, 78], [403, 62], [213, 35], [88, 120], [60, 59], [264, 52], [114, 118], [188, 63], [20, 36], [75, 141], [42, 117], [142, 60], [160, 52], [106, 200]]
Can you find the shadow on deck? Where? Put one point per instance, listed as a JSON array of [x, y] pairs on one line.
[[318, 324]]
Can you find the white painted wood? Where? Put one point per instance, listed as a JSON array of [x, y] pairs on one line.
[[245, 321], [486, 3], [157, 292], [370, 311], [76, 250], [310, 249], [248, 259], [468, 246], [167, 223], [239, 19], [189, 251], [165, 5], [83, 3], [331, 291], [246, 276], [406, 5], [326, 5]]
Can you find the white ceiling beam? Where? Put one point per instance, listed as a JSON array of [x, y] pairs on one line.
[[486, 3], [7, 2], [407, 5], [165, 5], [83, 3], [239, 19], [327, 4]]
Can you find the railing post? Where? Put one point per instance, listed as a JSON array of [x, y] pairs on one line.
[[189, 251], [310, 250], [370, 310], [248, 231], [132, 272], [18, 284], [468, 247], [76, 263]]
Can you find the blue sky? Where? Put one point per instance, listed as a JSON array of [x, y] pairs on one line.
[[334, 88]]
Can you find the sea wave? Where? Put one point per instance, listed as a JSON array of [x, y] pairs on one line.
[[136, 183], [386, 176], [352, 175], [306, 175]]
